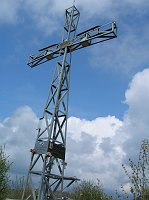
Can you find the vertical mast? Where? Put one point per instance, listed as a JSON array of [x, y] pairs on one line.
[[46, 170], [48, 156]]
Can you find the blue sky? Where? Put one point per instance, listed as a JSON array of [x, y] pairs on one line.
[[102, 67], [23, 37], [107, 80]]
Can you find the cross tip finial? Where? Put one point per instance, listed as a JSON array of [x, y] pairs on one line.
[[74, 2]]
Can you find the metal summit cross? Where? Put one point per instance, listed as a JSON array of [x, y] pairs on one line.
[[47, 165]]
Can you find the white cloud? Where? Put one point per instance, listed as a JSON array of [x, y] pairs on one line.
[[136, 119], [44, 15], [47, 14], [111, 149], [100, 127], [137, 2], [94, 8], [137, 93], [90, 151], [95, 148], [9, 10], [84, 138], [17, 133]]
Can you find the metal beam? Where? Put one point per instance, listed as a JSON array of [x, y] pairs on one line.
[[89, 37], [47, 165]]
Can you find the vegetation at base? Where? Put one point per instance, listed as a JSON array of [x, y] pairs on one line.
[[4, 168], [87, 190], [137, 173], [15, 190]]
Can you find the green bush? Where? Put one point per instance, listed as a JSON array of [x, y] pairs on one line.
[[88, 190], [4, 179], [139, 174]]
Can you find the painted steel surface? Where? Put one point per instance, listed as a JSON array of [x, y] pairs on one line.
[[46, 170]]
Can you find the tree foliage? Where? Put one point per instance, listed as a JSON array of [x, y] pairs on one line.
[[4, 168], [88, 190], [138, 174]]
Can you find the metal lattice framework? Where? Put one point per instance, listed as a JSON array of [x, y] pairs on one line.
[[46, 170]]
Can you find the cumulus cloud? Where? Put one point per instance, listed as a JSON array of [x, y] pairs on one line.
[[9, 11], [17, 133], [95, 148], [88, 155], [100, 127], [48, 13], [113, 148], [136, 120], [45, 14]]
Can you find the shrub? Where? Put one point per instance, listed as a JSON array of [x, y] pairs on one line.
[[4, 168], [139, 174], [88, 190]]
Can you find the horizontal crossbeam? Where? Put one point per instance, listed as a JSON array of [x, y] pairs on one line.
[[89, 37], [54, 176]]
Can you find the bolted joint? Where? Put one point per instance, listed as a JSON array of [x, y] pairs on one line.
[[48, 154], [33, 151]]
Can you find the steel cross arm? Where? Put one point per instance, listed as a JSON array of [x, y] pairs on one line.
[[54, 176], [89, 37]]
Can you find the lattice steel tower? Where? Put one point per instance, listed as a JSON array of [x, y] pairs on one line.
[[46, 170]]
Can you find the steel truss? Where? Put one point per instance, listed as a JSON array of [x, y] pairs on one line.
[[48, 155]]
